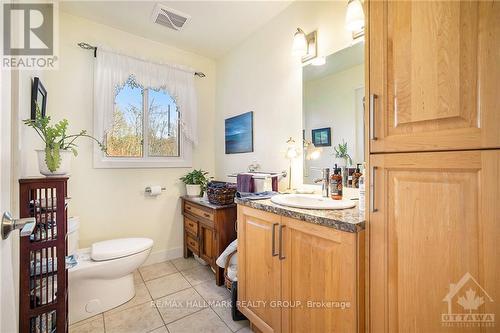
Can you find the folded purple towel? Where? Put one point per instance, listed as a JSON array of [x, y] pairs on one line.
[[245, 183]]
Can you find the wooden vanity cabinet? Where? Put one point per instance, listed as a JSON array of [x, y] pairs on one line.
[[309, 271], [433, 75], [434, 218], [208, 230]]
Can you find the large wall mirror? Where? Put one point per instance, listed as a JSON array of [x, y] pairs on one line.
[[333, 111]]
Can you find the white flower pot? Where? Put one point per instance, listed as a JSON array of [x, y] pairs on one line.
[[63, 169], [193, 190]]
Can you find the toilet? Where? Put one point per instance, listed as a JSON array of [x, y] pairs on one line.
[[103, 278]]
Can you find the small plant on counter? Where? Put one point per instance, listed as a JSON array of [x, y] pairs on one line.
[[341, 152], [57, 143], [196, 182]]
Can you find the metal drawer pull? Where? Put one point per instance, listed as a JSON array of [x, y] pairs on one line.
[[273, 234], [372, 190], [206, 215], [280, 234], [372, 117]]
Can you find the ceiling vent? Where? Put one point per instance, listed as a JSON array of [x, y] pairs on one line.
[[169, 17]]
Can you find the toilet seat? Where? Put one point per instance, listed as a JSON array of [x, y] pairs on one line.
[[119, 248]]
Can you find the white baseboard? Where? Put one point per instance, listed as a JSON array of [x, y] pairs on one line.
[[163, 255]]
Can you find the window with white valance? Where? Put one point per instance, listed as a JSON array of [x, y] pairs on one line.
[[145, 112]]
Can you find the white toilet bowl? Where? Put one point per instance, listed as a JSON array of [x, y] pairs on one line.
[[103, 278]]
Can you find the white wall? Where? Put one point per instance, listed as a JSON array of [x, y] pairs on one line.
[[261, 75], [331, 102], [111, 202]]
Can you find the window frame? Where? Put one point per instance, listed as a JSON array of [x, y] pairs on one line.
[[184, 160]]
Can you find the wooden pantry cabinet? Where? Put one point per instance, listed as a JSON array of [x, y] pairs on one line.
[[294, 276], [433, 75], [434, 218]]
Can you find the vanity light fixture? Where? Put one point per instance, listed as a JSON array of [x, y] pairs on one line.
[[355, 18], [291, 153], [305, 46], [312, 152]]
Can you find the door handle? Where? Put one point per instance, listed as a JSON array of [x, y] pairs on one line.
[[273, 235], [280, 245], [9, 224], [372, 116], [372, 190]]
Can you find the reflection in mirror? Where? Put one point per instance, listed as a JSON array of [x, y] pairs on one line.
[[333, 112]]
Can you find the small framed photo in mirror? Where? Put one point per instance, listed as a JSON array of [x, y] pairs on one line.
[[322, 137], [38, 98]]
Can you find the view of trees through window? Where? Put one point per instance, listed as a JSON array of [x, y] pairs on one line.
[[126, 138]]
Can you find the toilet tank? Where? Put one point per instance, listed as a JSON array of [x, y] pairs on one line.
[[73, 234]]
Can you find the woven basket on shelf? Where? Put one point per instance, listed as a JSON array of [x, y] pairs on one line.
[[221, 195]]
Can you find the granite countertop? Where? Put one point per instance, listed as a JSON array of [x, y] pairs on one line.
[[204, 202], [348, 220]]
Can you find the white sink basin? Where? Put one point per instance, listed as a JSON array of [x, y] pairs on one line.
[[308, 201]]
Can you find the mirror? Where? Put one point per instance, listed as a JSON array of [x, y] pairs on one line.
[[332, 112]]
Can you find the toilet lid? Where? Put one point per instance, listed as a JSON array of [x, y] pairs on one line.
[[118, 248]]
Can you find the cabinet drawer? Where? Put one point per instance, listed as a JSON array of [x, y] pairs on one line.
[[190, 208], [191, 226], [192, 244]]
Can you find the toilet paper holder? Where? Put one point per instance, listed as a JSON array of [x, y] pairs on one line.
[[148, 189]]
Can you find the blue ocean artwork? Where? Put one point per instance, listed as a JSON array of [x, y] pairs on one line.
[[239, 134]]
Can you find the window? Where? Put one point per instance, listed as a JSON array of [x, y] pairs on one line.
[[145, 131]]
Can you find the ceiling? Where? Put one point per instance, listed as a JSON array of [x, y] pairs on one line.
[[214, 28], [336, 62]]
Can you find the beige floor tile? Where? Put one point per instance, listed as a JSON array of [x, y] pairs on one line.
[[141, 318], [141, 296], [223, 310], [162, 329], [183, 264], [90, 325], [211, 292], [155, 271], [137, 277], [245, 330], [166, 285], [180, 304], [87, 320], [198, 275], [205, 321]]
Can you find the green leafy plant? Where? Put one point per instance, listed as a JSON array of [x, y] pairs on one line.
[[197, 177], [341, 152], [56, 139]]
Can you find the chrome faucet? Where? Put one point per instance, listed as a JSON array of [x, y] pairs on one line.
[[325, 182]]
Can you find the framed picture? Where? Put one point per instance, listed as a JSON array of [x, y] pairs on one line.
[[38, 97], [322, 137], [239, 134]]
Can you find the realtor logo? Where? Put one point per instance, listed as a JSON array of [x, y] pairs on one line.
[[28, 35], [466, 302]]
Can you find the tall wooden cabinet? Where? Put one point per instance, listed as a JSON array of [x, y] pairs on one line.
[[434, 165], [295, 276], [434, 75]]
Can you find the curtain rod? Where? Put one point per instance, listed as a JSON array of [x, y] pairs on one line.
[[87, 46]]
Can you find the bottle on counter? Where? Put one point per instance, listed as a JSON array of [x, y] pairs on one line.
[[336, 184], [362, 191], [355, 176]]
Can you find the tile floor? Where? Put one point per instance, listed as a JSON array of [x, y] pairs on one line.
[[177, 296]]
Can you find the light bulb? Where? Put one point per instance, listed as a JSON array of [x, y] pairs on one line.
[[299, 47], [354, 18]]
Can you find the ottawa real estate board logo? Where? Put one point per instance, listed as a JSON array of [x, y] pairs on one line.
[[29, 32], [467, 303]]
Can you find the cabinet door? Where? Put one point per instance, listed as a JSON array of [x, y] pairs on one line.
[[319, 278], [259, 271], [434, 228], [433, 66], [207, 244]]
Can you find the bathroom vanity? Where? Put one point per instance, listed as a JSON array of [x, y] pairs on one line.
[[299, 270], [208, 230]]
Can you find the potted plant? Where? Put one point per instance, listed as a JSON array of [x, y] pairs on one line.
[[196, 182], [341, 152], [55, 159]]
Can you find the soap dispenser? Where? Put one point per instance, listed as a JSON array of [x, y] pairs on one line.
[[336, 184], [355, 176]]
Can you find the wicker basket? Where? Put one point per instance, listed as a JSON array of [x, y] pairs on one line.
[[221, 195], [227, 282]]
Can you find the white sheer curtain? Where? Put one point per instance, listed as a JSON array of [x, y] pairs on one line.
[[112, 70]]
